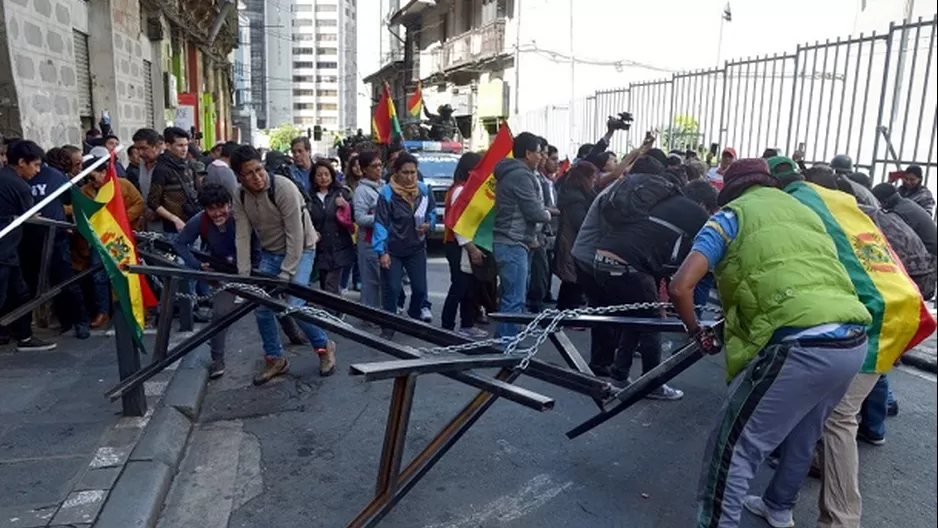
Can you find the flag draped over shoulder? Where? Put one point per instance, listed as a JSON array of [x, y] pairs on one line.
[[103, 222], [901, 320], [472, 215], [385, 127], [415, 103]]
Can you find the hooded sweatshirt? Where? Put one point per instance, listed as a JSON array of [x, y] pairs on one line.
[[519, 204]]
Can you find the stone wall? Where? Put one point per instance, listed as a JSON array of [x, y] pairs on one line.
[[39, 45], [130, 113]]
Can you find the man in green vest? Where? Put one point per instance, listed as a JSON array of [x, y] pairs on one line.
[[795, 338]]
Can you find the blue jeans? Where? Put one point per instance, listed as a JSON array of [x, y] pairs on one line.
[[873, 411], [512, 261], [267, 321], [702, 291], [102, 288], [393, 278]]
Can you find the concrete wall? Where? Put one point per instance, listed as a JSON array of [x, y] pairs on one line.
[[42, 101]]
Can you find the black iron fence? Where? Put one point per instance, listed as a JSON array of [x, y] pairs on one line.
[[872, 97]]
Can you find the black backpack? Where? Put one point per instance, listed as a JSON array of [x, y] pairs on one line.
[[633, 199], [272, 190]]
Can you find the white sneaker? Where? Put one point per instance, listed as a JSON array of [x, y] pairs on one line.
[[776, 519], [426, 315], [665, 392], [473, 333], [400, 311]]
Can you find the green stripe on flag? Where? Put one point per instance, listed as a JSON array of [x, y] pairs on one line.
[[867, 291]]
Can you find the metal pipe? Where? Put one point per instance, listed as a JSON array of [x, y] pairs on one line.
[[34, 210], [925, 91], [820, 103], [908, 98], [882, 97], [46, 296], [383, 370], [866, 97]]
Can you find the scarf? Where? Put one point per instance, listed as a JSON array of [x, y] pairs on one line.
[[408, 192]]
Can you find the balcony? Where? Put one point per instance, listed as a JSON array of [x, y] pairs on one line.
[[476, 45]]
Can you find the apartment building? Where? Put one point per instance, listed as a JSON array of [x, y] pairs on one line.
[[462, 51], [324, 65]]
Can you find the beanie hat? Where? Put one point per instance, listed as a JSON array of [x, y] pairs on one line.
[[775, 163], [742, 175]]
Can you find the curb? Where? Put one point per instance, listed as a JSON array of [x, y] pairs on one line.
[[137, 496], [920, 362]]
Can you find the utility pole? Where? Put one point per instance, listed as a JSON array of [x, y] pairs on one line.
[[725, 16], [573, 138], [900, 62], [517, 55]]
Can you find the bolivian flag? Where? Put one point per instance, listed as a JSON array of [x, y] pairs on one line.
[[415, 103], [472, 214], [385, 127], [103, 222], [901, 320]]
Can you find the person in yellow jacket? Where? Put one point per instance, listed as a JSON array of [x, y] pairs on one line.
[[795, 337]]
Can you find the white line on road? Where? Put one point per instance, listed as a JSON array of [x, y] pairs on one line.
[[534, 494], [83, 498]]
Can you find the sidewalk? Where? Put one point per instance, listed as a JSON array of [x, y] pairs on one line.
[[62, 443]]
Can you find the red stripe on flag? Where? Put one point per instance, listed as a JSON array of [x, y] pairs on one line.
[[498, 150], [115, 206]]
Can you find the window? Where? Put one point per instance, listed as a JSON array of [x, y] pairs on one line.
[[328, 121], [300, 37], [302, 51], [326, 23], [328, 93], [302, 106], [302, 64], [331, 37], [327, 51], [303, 22], [325, 65], [327, 106], [325, 8], [304, 93], [327, 79], [302, 78], [299, 8]]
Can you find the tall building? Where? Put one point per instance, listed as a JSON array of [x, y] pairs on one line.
[[271, 65], [244, 116], [324, 64]]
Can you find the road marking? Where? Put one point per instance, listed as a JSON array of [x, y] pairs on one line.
[[135, 422], [109, 457], [927, 376], [83, 498], [534, 494]]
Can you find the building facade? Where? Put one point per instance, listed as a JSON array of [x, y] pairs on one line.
[[271, 64], [144, 63], [462, 52], [324, 67], [243, 114]]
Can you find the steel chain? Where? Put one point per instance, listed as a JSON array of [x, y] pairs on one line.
[[533, 329]]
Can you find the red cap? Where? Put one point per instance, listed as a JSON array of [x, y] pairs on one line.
[[731, 151]]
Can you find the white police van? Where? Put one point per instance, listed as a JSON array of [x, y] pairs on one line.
[[436, 163]]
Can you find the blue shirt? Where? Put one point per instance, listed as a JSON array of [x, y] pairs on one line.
[[714, 239], [220, 243], [45, 183], [301, 177]]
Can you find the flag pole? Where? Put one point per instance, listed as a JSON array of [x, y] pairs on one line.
[[34, 210]]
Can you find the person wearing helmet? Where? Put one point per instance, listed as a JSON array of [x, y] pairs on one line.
[[842, 165]]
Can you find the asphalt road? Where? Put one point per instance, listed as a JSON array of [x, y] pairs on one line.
[[303, 451]]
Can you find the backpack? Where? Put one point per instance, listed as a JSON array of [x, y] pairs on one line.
[[272, 190], [634, 198], [902, 239]]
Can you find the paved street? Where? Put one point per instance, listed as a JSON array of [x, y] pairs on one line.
[[303, 451]]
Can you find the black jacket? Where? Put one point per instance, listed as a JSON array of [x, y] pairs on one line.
[[335, 248], [15, 199], [173, 186], [574, 202], [917, 218]]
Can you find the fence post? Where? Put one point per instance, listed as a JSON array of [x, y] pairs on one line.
[[882, 98], [794, 90], [134, 401], [163, 328]]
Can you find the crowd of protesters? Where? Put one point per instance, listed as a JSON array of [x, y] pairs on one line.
[[613, 231]]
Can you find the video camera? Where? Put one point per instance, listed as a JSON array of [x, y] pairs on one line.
[[622, 121]]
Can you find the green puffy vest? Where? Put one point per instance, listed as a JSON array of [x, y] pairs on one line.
[[781, 271]]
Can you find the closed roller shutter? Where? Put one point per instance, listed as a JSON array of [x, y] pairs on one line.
[[148, 92], [83, 73]]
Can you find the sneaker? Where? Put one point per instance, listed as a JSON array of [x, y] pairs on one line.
[[473, 333], [665, 392], [776, 519], [892, 409], [217, 369], [34, 344], [100, 321], [870, 438], [82, 331], [327, 359], [400, 310], [273, 367], [426, 315]]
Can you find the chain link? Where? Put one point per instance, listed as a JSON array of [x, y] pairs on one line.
[[534, 329]]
